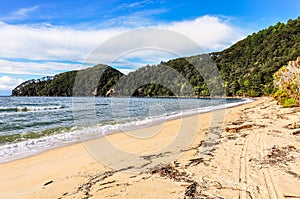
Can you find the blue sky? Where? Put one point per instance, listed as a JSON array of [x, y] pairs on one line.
[[41, 38]]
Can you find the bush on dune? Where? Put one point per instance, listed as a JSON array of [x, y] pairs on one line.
[[287, 82]]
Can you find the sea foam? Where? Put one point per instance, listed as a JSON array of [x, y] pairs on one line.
[[12, 151]]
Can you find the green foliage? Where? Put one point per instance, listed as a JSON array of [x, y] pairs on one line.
[[248, 66], [177, 77], [244, 69], [97, 80], [287, 82], [283, 98]]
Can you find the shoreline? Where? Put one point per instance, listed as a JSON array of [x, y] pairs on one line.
[[239, 162], [122, 127]]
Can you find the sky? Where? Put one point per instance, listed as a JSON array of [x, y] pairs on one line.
[[39, 38]]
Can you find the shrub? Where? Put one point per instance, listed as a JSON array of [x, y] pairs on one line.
[[287, 82]]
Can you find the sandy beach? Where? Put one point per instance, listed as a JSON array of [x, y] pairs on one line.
[[249, 151]]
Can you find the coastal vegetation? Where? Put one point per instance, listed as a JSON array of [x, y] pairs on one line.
[[244, 69], [287, 81], [248, 66], [63, 83], [177, 77]]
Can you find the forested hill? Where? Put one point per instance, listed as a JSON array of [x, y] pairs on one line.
[[246, 69], [248, 66], [63, 83]]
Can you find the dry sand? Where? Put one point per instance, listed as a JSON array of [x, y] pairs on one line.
[[254, 153]]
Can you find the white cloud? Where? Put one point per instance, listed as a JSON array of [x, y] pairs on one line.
[[9, 83], [211, 33], [20, 14], [33, 68], [49, 43], [137, 19], [125, 71], [135, 5], [61, 43], [23, 12]]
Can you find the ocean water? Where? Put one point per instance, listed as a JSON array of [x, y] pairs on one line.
[[30, 125]]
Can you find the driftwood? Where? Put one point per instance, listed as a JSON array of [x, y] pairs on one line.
[[290, 196], [195, 161], [236, 129], [293, 174], [47, 183], [296, 132], [110, 182], [294, 125]]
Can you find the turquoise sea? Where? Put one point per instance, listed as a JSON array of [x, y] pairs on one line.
[[29, 125]]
